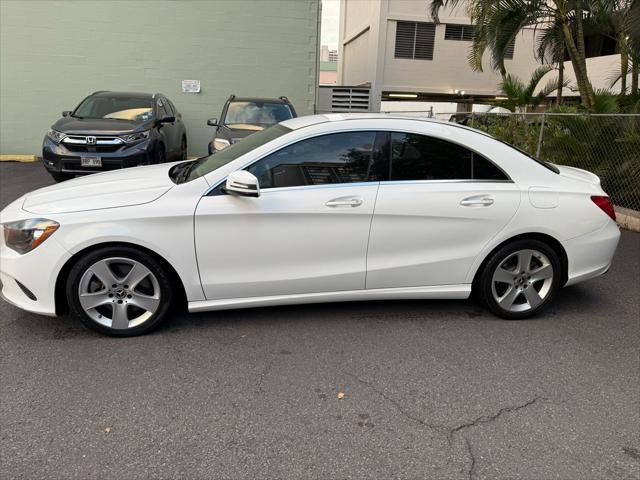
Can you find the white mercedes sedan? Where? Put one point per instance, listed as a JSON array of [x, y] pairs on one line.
[[324, 208]]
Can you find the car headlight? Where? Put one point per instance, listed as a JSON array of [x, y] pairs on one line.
[[135, 137], [56, 136], [221, 143], [25, 235]]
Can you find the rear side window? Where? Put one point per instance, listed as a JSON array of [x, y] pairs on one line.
[[419, 157], [328, 159]]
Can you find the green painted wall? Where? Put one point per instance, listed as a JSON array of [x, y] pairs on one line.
[[54, 53]]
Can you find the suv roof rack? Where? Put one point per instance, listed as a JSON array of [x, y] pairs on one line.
[[283, 98], [232, 96], [100, 91]]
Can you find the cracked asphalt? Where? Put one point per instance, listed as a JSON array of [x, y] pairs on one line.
[[432, 389]]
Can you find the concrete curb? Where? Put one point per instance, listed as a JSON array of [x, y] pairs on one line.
[[627, 218], [18, 158]]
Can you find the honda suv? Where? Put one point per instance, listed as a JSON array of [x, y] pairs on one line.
[[112, 130], [244, 116]]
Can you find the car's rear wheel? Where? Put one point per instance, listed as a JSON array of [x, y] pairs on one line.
[[119, 291], [61, 177], [520, 279]]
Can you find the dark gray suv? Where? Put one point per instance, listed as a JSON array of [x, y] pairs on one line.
[[111, 130], [244, 116]]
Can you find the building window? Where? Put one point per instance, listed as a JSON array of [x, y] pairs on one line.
[[415, 40], [459, 32], [508, 53]]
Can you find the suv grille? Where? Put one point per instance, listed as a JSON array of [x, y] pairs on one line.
[[88, 143]]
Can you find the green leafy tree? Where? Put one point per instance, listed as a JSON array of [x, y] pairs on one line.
[[498, 22], [519, 96]]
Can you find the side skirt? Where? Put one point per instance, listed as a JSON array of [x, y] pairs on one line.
[[442, 292]]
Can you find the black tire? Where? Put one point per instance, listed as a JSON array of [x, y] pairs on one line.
[[484, 287], [164, 285], [61, 177], [183, 149], [161, 154]]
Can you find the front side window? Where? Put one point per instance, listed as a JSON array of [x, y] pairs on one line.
[[418, 157], [137, 109], [256, 115], [336, 158]]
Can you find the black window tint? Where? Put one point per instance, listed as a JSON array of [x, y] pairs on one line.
[[418, 157], [483, 169], [336, 158]]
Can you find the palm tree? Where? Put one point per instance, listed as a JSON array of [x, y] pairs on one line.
[[498, 22], [520, 96]]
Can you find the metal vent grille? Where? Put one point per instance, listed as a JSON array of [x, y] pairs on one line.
[[415, 40], [350, 99], [459, 32]]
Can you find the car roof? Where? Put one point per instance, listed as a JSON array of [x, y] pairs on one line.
[[302, 122], [107, 93]]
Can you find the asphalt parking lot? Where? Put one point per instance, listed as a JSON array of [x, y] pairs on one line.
[[433, 389]]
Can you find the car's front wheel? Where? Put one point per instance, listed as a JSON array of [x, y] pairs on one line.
[[520, 279], [119, 291]]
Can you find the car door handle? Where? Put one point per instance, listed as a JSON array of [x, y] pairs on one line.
[[344, 202], [477, 201]]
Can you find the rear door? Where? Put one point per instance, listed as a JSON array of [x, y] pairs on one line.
[[442, 204]]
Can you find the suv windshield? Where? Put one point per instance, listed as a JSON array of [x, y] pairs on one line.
[[187, 171], [137, 109], [256, 115]]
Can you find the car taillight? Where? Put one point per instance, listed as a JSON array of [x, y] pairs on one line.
[[605, 205]]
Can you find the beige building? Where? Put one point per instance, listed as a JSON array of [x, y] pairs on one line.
[[394, 47]]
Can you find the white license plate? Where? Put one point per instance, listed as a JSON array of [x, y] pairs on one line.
[[90, 161]]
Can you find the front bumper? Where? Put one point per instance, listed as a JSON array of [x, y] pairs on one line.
[[59, 158], [37, 271]]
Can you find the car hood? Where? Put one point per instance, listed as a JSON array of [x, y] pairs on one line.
[[131, 186], [100, 126]]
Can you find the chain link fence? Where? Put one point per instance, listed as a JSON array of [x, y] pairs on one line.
[[607, 145]]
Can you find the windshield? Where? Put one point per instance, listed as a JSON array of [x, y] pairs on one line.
[[137, 109], [187, 171], [256, 115]]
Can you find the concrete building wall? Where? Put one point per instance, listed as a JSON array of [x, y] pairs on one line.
[[370, 58], [53, 54]]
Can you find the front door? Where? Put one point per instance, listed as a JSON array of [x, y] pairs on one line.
[[306, 233]]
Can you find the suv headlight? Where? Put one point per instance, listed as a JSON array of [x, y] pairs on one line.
[[135, 137], [25, 235], [221, 143], [56, 136]]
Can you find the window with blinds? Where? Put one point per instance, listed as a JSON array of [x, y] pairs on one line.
[[415, 40], [459, 32], [508, 53]]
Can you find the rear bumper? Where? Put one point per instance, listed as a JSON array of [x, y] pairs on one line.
[[591, 255], [59, 159], [37, 271]]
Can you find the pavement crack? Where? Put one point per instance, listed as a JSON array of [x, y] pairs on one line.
[[472, 467], [490, 418], [265, 371], [396, 404]]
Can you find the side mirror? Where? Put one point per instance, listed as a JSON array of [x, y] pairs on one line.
[[66, 113], [242, 183], [212, 122], [167, 120]]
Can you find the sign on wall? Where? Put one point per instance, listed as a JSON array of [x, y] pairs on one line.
[[190, 86]]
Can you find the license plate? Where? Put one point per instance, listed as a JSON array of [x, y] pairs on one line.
[[90, 161]]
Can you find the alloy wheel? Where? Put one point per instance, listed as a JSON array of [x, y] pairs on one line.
[[522, 281], [119, 293]]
